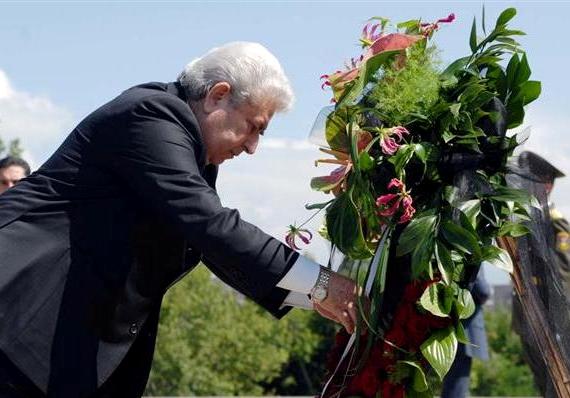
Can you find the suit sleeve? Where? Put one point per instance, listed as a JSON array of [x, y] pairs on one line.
[[155, 156]]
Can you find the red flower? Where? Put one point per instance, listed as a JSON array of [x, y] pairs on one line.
[[390, 203], [390, 390]]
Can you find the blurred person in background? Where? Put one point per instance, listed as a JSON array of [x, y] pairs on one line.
[[12, 170], [456, 382]]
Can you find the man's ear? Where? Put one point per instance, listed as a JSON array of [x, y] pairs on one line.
[[219, 93]]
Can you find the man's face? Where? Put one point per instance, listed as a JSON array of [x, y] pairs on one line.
[[229, 130], [9, 176]]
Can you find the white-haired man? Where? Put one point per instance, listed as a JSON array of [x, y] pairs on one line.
[[123, 209]]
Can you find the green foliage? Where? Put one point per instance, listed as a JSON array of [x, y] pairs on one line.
[[506, 373], [13, 149], [439, 349], [213, 342], [402, 94]]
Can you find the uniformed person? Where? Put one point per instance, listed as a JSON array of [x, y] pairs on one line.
[[545, 258]]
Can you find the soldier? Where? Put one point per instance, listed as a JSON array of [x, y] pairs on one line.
[[545, 261]]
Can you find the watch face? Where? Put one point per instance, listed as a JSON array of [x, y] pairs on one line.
[[319, 294]]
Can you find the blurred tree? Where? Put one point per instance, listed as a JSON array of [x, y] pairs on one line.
[[506, 374], [14, 148], [212, 341]]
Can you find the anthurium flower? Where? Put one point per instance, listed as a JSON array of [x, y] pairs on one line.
[[390, 139], [390, 203], [297, 232], [391, 42]]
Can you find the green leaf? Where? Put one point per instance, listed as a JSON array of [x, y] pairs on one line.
[[450, 194], [439, 350], [419, 381], [498, 257], [421, 153], [465, 304], [473, 36], [444, 262], [401, 158], [513, 229], [483, 21], [523, 72], [437, 299], [461, 238], [461, 334], [447, 136], [344, 227], [318, 206], [471, 209], [415, 233], [511, 71], [421, 256], [335, 129], [365, 161], [454, 67], [412, 23], [506, 194], [454, 109], [505, 17], [528, 92], [515, 114]]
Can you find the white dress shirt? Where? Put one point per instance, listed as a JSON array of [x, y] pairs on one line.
[[300, 280]]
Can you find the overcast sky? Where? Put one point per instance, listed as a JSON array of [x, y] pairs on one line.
[[61, 60]]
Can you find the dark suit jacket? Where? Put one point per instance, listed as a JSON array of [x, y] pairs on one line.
[[91, 241]]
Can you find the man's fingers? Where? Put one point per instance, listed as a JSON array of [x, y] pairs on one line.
[[347, 322], [326, 313]]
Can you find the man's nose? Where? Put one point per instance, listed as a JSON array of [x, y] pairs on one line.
[[251, 144]]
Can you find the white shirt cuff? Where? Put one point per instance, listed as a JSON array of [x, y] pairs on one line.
[[298, 300], [301, 277]]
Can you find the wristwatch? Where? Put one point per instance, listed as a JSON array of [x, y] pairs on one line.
[[320, 291]]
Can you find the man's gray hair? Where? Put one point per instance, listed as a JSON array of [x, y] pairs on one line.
[[253, 73]]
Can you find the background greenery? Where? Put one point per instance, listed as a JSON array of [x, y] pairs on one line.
[[212, 341], [11, 148]]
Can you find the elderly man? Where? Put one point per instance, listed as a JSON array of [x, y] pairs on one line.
[[124, 208], [12, 170]]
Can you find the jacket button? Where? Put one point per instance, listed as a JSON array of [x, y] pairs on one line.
[[134, 329]]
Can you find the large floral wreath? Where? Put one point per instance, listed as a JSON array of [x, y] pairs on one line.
[[419, 194]]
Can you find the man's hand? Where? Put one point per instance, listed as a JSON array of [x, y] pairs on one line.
[[341, 304]]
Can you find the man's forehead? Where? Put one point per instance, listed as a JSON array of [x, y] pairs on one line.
[[11, 170], [260, 113]]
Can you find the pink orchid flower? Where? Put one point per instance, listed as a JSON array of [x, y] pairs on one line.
[[335, 180], [369, 34], [391, 138], [390, 203], [427, 29], [297, 232]]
